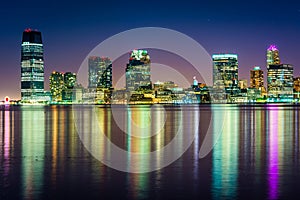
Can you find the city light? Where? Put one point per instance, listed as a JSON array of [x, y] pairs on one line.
[[226, 88]]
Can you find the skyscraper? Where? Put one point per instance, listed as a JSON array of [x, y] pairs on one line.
[[256, 78], [280, 76], [56, 85], [297, 87], [138, 71], [280, 81], [69, 80], [273, 55], [62, 85], [297, 84], [257, 82], [100, 72], [32, 66], [69, 84], [225, 72]]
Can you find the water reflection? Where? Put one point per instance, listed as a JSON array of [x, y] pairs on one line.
[[225, 155], [296, 146], [33, 151], [138, 137], [7, 141], [257, 129], [256, 156], [273, 154], [66, 165], [163, 124]]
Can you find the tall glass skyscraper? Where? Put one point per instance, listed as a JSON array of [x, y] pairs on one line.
[[32, 66], [280, 76], [100, 72], [273, 55], [280, 81], [69, 80], [225, 72], [138, 71], [62, 85], [69, 84], [56, 85]]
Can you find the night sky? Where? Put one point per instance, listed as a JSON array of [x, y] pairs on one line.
[[71, 29]]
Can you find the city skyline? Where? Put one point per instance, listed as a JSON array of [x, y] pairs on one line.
[[149, 100], [225, 67], [69, 37], [32, 41], [226, 86], [244, 76]]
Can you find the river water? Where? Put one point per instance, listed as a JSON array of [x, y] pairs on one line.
[[65, 152]]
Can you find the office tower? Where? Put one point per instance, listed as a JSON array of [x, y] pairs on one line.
[[273, 55], [32, 66], [69, 80], [138, 71], [225, 72], [297, 84], [69, 84], [297, 87], [243, 84], [256, 78], [280, 76], [62, 85], [257, 83], [105, 76], [56, 85], [280, 81], [100, 72]]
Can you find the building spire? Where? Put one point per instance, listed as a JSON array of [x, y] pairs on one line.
[[273, 55]]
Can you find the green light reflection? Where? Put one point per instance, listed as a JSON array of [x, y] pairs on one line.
[[225, 154], [33, 151]]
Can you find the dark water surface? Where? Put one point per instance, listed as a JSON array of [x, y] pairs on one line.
[[257, 155]]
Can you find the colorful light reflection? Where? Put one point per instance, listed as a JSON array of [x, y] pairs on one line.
[[273, 154], [33, 151], [225, 155], [6, 141]]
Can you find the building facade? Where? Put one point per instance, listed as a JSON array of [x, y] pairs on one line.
[[100, 72], [56, 84], [256, 78], [243, 84], [225, 72], [69, 80], [138, 71], [280, 76], [297, 84], [62, 86], [69, 84], [257, 81], [32, 67], [280, 81], [273, 55], [297, 88]]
